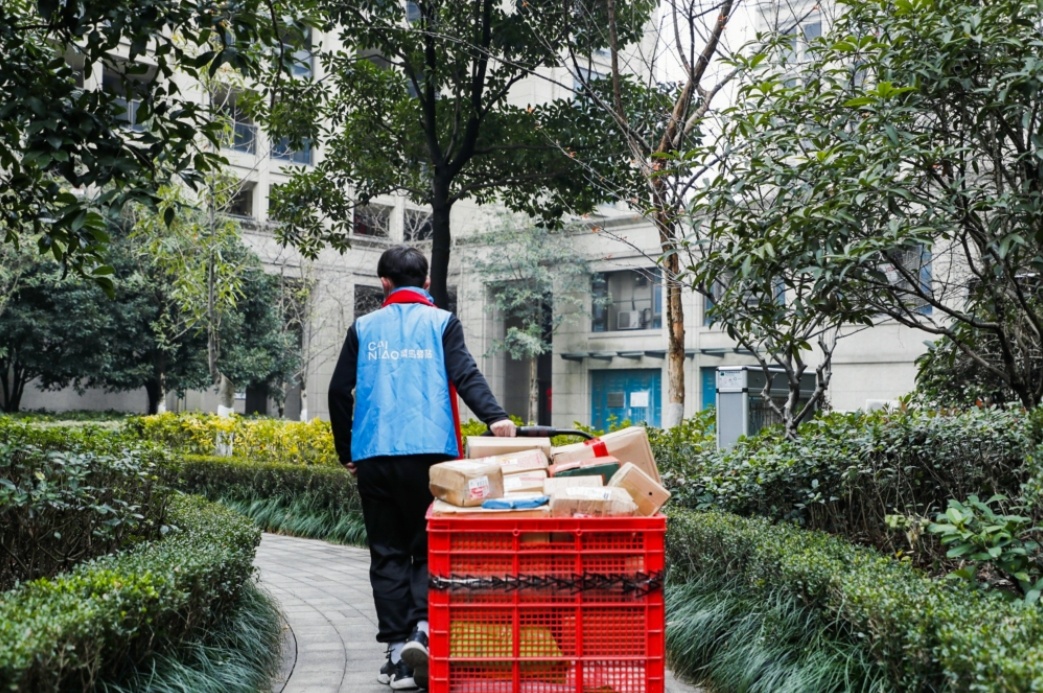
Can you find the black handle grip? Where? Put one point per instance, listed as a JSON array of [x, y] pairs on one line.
[[546, 432]]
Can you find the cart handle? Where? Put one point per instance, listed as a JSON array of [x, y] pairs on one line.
[[546, 432]]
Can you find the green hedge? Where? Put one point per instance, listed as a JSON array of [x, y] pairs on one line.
[[847, 472], [925, 634], [97, 621], [315, 501]]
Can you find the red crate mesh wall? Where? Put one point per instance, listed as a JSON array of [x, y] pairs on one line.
[[547, 605]]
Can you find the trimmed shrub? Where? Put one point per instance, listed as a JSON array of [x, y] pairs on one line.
[[925, 634], [847, 472], [260, 440], [102, 618], [321, 502], [61, 505]]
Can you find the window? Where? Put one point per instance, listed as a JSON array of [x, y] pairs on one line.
[[585, 76], [372, 220], [367, 299], [242, 135], [412, 11], [915, 262], [417, 225], [720, 285], [130, 92], [627, 300], [242, 203], [296, 44], [283, 151]]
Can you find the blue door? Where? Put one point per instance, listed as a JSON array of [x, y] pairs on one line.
[[708, 387], [619, 395]]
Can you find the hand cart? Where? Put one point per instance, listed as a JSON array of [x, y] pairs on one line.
[[523, 604]]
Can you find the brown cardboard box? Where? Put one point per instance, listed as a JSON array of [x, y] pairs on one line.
[[647, 494], [466, 483], [490, 446], [628, 445], [530, 480], [553, 485], [440, 507], [592, 501], [522, 461]]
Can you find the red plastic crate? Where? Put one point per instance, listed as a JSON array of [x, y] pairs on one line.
[[546, 605]]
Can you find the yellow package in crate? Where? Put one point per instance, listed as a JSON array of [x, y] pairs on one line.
[[495, 642]]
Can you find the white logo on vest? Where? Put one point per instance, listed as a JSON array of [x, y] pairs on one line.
[[378, 351]]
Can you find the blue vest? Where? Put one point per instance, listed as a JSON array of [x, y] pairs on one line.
[[402, 396]]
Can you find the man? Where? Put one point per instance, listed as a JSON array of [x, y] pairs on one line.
[[406, 364]]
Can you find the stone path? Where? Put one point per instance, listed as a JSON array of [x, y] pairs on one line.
[[324, 593]]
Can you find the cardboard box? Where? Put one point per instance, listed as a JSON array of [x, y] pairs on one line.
[[522, 461], [491, 446], [647, 494], [466, 483], [553, 485], [603, 467], [592, 501], [627, 445], [530, 480]]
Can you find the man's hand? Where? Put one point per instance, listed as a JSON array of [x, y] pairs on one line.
[[504, 428], [350, 466]]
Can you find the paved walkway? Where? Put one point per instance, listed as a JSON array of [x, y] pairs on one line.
[[324, 592]]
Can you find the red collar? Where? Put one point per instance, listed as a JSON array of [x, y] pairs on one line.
[[408, 295]]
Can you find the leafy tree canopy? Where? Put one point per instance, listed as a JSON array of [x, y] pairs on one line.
[[422, 99], [896, 166], [66, 157]]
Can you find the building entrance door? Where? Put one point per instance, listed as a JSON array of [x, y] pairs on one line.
[[633, 394]]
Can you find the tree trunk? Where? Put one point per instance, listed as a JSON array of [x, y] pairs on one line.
[[304, 403], [156, 395], [534, 391], [225, 407], [13, 386], [673, 412], [441, 239]]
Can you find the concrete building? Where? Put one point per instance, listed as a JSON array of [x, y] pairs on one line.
[[607, 362]]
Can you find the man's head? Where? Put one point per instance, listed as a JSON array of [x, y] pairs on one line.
[[402, 266]]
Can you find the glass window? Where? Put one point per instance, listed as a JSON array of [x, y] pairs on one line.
[[367, 299], [283, 151], [627, 300], [243, 132], [372, 220], [417, 225], [242, 204]]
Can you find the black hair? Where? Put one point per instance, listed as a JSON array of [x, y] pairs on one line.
[[403, 265]]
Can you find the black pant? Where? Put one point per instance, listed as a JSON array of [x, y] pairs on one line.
[[395, 497]]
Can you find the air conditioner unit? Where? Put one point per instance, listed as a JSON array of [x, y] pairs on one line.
[[628, 320]]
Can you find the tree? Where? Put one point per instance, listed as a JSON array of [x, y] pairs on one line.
[[67, 156], [421, 101], [536, 283], [659, 128], [67, 332], [909, 136], [52, 331]]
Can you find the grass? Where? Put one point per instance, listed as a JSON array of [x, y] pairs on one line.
[[739, 644], [240, 655], [301, 518]]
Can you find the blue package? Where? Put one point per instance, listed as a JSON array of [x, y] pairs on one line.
[[515, 503]]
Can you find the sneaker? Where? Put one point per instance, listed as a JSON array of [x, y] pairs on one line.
[[415, 654], [386, 671], [402, 677]]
